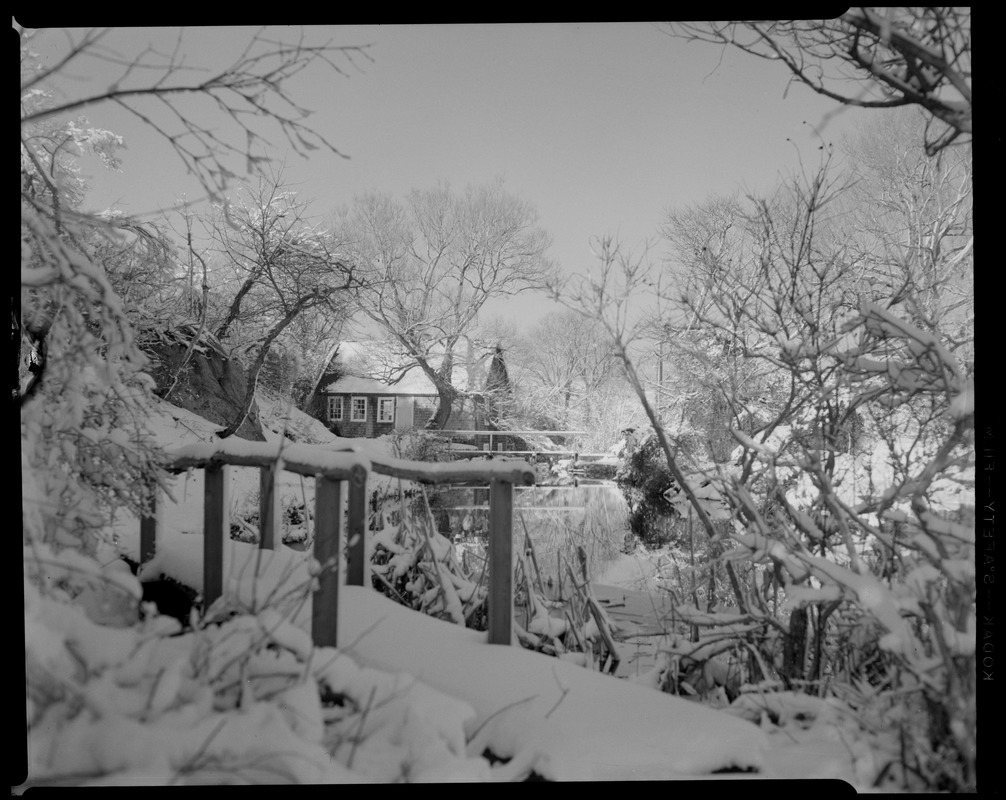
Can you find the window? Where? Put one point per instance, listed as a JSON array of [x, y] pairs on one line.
[[386, 409], [359, 409], [334, 409]]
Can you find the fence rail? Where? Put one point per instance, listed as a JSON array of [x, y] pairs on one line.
[[448, 433], [332, 472]]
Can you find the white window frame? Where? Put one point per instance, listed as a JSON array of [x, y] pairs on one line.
[[353, 416], [332, 399], [382, 404]]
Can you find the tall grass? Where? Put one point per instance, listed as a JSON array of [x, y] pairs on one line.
[[560, 519]]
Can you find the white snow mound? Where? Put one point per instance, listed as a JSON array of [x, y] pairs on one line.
[[559, 719]]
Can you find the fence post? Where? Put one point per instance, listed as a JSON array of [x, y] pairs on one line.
[[216, 526], [267, 507], [327, 547], [356, 529], [148, 522], [500, 561]]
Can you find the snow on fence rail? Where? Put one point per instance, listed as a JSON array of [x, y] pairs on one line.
[[331, 469], [449, 432]]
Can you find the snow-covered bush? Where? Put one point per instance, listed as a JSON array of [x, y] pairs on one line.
[[890, 532], [414, 564], [644, 478], [833, 344], [246, 701], [296, 519], [85, 447]]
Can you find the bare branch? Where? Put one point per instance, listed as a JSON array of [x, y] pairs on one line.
[[894, 56], [253, 87]]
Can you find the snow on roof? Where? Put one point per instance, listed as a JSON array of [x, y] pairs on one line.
[[415, 382], [371, 368]]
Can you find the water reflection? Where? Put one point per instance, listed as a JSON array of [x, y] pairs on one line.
[[558, 519]]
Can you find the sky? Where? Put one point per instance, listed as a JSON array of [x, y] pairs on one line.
[[601, 126]]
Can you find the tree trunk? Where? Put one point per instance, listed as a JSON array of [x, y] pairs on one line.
[[235, 307], [794, 647], [304, 302], [823, 613], [445, 405], [203, 310], [694, 634], [446, 393], [712, 553]]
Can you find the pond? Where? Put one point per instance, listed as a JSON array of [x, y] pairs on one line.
[[558, 519]]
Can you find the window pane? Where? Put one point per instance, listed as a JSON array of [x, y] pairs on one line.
[[359, 409], [335, 408], [386, 410]]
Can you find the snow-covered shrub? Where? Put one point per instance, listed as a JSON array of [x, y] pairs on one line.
[[413, 563], [296, 520], [831, 349], [416, 444], [884, 537], [85, 447], [644, 478], [83, 431], [246, 701]]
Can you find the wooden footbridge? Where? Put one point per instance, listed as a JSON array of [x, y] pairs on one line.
[[336, 472], [494, 445]]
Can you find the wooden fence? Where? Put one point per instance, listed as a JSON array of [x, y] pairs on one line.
[[333, 472]]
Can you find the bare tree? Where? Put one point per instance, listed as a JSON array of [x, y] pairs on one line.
[[609, 296], [869, 57], [861, 529], [287, 266], [93, 378], [564, 366], [914, 224], [88, 370], [431, 263], [152, 86]]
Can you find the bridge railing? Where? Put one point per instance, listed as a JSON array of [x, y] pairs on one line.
[[492, 435], [334, 473]]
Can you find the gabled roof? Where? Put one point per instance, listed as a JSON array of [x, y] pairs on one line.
[[414, 383], [373, 367]]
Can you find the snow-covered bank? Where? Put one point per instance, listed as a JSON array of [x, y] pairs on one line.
[[556, 718], [442, 696], [637, 570], [547, 715]]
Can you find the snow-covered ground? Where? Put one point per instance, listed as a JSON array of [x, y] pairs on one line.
[[406, 696], [810, 738], [639, 570]]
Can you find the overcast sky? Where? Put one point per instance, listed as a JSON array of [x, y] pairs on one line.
[[601, 126]]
